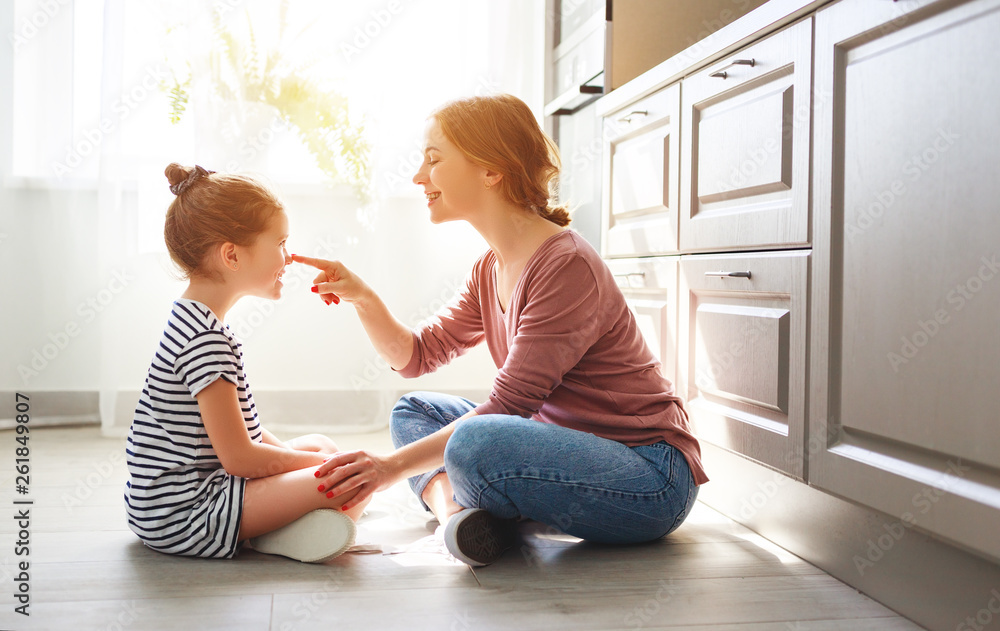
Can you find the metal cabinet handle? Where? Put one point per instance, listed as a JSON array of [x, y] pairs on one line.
[[722, 74], [628, 117], [627, 277], [729, 274]]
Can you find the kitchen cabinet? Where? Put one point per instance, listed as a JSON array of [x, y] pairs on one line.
[[906, 288], [650, 288], [838, 247], [642, 172], [743, 352], [745, 155]]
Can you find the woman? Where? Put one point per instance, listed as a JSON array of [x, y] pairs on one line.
[[581, 431]]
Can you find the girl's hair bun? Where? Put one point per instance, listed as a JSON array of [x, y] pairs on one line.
[[182, 178], [176, 173]]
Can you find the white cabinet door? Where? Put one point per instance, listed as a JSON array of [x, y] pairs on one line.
[[650, 288], [743, 352], [745, 147], [641, 171], [905, 403]]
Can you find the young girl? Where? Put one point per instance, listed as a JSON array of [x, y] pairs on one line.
[[205, 475]]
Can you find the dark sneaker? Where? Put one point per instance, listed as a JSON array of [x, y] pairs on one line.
[[477, 538]]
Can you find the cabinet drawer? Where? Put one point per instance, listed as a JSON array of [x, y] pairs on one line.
[[650, 288], [641, 172], [743, 350], [745, 153]]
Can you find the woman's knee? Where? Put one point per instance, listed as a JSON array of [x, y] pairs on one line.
[[464, 449], [401, 417]]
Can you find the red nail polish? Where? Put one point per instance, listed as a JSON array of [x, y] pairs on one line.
[[329, 494], [319, 488], [335, 299], [316, 474], [314, 289]]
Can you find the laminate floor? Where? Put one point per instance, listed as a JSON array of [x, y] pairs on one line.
[[88, 571]]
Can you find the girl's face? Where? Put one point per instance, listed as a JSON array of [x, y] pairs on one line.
[[263, 263], [454, 186]]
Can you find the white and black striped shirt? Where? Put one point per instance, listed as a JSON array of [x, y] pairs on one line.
[[179, 498]]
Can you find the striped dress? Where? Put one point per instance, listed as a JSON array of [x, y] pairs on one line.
[[179, 498]]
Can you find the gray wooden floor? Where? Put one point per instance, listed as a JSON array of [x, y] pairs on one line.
[[88, 571]]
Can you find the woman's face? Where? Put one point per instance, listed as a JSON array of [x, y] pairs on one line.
[[454, 186]]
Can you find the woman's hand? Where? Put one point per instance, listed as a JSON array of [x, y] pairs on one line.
[[390, 337], [360, 470], [335, 281]]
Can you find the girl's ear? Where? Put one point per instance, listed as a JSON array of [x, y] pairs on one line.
[[229, 256]]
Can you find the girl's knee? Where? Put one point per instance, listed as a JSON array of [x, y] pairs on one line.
[[325, 443]]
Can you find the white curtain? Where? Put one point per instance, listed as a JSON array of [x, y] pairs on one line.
[[85, 185]]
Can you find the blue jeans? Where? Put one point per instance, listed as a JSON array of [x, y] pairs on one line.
[[588, 487]]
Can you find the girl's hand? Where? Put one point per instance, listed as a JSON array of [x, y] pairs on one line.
[[335, 281], [360, 470]]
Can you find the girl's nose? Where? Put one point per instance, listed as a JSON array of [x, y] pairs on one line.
[[418, 177], [288, 257]]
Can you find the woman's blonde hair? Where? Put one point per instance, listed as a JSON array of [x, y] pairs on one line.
[[211, 209], [500, 133]]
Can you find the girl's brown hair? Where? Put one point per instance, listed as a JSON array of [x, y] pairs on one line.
[[211, 209], [500, 133]]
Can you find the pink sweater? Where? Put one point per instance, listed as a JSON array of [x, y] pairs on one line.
[[568, 350]]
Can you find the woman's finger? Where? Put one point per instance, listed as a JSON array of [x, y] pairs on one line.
[[336, 477], [350, 481], [327, 297], [338, 459], [365, 492], [317, 263]]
